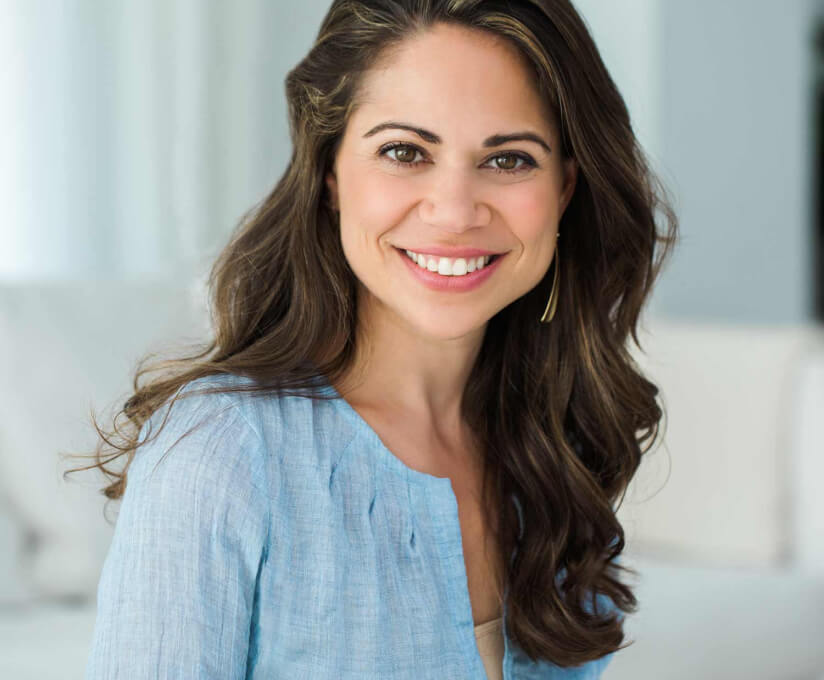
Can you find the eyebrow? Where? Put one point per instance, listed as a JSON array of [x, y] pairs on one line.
[[432, 138]]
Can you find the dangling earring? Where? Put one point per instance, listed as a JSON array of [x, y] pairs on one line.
[[552, 303]]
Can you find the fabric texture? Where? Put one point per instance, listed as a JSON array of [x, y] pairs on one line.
[[281, 539]]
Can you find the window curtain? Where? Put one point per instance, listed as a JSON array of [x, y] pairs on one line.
[[136, 134]]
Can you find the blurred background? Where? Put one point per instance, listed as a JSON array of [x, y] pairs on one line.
[[135, 134]]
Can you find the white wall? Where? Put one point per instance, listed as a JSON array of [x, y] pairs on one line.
[[633, 57]]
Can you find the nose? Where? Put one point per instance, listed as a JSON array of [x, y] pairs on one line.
[[451, 203]]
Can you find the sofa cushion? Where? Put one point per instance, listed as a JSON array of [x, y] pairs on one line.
[[66, 348], [719, 488]]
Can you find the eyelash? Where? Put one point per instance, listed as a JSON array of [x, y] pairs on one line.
[[528, 164]]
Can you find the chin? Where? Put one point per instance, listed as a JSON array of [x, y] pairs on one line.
[[445, 326]]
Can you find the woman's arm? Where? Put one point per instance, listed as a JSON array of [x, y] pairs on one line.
[[176, 592]]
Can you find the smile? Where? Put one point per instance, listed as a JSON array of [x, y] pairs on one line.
[[449, 266], [450, 274]]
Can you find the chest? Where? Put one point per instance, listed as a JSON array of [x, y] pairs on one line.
[[366, 578], [365, 575], [482, 561]]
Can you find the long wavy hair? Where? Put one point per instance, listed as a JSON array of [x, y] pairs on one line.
[[561, 411]]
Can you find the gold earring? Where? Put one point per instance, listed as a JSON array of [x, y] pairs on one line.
[[552, 303]]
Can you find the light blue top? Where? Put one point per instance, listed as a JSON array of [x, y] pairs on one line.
[[282, 540]]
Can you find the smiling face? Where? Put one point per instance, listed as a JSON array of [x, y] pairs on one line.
[[453, 185]]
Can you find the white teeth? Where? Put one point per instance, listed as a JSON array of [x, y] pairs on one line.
[[446, 266]]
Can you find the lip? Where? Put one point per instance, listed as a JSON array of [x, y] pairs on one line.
[[435, 281], [444, 251]]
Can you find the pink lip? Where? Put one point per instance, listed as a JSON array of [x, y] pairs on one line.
[[443, 251], [435, 281]]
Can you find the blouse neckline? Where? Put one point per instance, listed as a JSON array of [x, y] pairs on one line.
[[441, 494], [385, 456]]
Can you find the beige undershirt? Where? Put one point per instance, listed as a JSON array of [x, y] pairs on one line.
[[490, 639]]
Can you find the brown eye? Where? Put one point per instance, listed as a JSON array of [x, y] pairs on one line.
[[510, 162], [405, 154], [401, 154]]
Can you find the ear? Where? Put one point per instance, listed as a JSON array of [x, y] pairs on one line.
[[332, 183], [570, 169]]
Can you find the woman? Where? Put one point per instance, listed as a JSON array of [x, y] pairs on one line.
[[400, 455]]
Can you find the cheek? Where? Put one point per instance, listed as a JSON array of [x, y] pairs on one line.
[[371, 206], [532, 214], [375, 200]]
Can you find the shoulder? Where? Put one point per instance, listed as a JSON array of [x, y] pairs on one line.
[[266, 431], [303, 428], [199, 480], [200, 433]]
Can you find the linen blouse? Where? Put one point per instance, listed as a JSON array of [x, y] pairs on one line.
[[282, 539]]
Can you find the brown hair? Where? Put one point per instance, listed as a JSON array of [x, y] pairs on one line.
[[562, 413]]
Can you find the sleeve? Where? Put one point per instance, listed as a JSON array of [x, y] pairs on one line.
[[176, 591]]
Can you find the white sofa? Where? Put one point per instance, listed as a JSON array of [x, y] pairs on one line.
[[66, 348], [724, 522]]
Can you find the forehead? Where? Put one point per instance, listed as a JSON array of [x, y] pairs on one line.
[[453, 80]]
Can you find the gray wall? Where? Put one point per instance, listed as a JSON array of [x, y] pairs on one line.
[[736, 134], [719, 93]]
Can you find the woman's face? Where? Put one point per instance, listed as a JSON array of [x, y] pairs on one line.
[[454, 186]]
